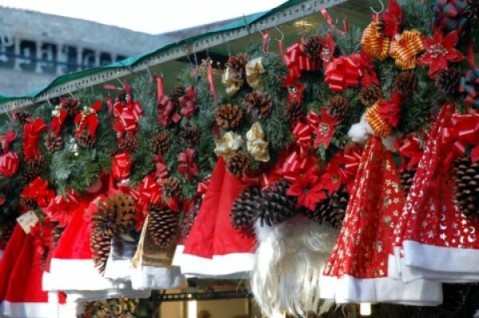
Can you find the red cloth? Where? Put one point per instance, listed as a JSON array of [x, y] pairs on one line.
[[9, 259]]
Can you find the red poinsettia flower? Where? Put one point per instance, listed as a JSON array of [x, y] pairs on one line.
[[439, 51], [328, 47], [308, 189], [390, 110], [333, 177], [326, 129]]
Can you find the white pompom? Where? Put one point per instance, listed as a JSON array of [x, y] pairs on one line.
[[360, 132]]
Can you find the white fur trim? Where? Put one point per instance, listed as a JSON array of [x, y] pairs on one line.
[[348, 289], [29, 310], [149, 278], [78, 274], [229, 266], [459, 262]]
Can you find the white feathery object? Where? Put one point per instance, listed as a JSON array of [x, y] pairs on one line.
[[360, 132], [289, 261]]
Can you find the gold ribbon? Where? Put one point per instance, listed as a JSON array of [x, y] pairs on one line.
[[254, 69], [379, 126], [257, 147], [405, 48], [231, 82], [374, 43], [227, 145]]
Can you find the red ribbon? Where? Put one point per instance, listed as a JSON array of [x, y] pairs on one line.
[[297, 62], [265, 40], [9, 164], [7, 139], [341, 73], [303, 136], [121, 166], [295, 165], [88, 120], [411, 149], [31, 134], [57, 121], [188, 102], [58, 210], [148, 192], [186, 165], [161, 170], [211, 80], [333, 26], [202, 187], [160, 87], [127, 116], [166, 112], [38, 191]]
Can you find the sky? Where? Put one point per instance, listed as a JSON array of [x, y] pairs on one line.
[[147, 16]]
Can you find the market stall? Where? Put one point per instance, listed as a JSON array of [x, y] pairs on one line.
[[324, 154]]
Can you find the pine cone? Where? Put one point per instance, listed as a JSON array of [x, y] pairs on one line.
[[338, 107], [277, 206], [71, 105], [368, 95], [85, 140], [191, 135], [33, 169], [311, 47], [228, 116], [171, 187], [239, 164], [466, 181], [53, 142], [124, 211], [406, 83], [447, 81], [237, 65], [100, 244], [130, 144], [246, 208], [162, 225], [332, 210], [178, 91], [160, 143], [407, 176], [22, 117], [294, 111], [258, 104]]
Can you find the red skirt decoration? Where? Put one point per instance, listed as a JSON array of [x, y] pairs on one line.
[[214, 248], [357, 270], [435, 240]]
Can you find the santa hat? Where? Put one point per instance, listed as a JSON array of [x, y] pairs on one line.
[[214, 248], [435, 240], [357, 270], [288, 265]]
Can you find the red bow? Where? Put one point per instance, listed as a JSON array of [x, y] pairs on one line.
[[366, 68], [57, 120], [186, 165], [341, 73], [121, 166], [58, 210], [38, 191], [148, 192], [127, 116], [411, 148], [166, 112], [88, 118], [297, 62], [303, 136], [464, 132], [295, 165], [188, 102], [31, 134], [9, 164]]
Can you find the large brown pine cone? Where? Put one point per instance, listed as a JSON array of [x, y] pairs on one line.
[[162, 225], [338, 107], [53, 142], [311, 46], [466, 182], [246, 208], [239, 164], [130, 143], [160, 143], [277, 206], [171, 187], [406, 83], [294, 111], [71, 105], [447, 81], [258, 104], [237, 65], [369, 95], [191, 135], [228, 116]]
